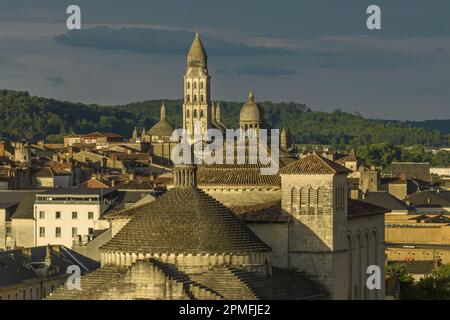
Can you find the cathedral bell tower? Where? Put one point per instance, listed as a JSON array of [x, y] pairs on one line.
[[197, 102]]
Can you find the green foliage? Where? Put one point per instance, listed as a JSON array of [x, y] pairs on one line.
[[435, 286], [382, 154], [33, 118]]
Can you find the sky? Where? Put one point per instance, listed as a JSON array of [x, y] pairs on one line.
[[317, 52]]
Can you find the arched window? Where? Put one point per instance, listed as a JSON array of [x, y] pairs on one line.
[[303, 197], [201, 113], [201, 84], [187, 113], [188, 85], [188, 98], [195, 113], [195, 98], [294, 200], [195, 85], [201, 98], [312, 197]]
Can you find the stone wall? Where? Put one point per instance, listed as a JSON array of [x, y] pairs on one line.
[[276, 236]]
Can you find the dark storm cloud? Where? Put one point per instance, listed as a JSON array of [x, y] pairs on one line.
[[56, 81], [258, 70], [333, 55], [155, 41]]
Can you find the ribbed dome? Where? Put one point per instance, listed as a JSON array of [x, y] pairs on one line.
[[250, 111], [189, 221]]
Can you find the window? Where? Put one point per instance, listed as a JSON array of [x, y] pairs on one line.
[[195, 98], [195, 85], [188, 85], [201, 98], [187, 113], [195, 113], [41, 232], [41, 214], [90, 215], [74, 231], [58, 232], [74, 215], [188, 98], [201, 85], [91, 231], [8, 231], [24, 293], [201, 113], [58, 215]]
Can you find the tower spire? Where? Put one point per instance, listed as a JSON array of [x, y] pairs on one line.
[[163, 111]]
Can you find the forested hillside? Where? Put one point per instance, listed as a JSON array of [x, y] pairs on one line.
[[33, 118]]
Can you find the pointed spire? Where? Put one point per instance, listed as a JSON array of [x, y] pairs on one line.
[[251, 96], [163, 111], [283, 142], [218, 113], [213, 112], [143, 133], [135, 134], [197, 51]]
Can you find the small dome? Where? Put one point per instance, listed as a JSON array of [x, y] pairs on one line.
[[163, 127], [250, 111]]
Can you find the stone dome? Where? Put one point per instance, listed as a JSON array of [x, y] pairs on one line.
[[250, 112], [163, 127]]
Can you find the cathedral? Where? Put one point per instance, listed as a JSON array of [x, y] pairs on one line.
[[226, 231]]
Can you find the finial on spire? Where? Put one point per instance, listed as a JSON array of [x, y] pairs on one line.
[[251, 96], [163, 111]]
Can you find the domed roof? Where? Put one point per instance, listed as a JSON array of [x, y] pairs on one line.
[[250, 111], [163, 127], [186, 220]]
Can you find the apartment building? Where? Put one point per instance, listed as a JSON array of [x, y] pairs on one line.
[[63, 215]]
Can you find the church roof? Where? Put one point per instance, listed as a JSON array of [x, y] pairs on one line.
[[197, 51], [235, 175], [185, 220], [261, 212], [250, 111], [314, 164], [162, 127]]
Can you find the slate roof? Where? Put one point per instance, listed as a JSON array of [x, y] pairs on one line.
[[22, 200], [358, 209], [185, 220], [429, 199], [385, 199], [314, 164], [20, 265]]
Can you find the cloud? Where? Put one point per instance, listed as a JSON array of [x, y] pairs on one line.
[[258, 70], [157, 41], [56, 81]]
